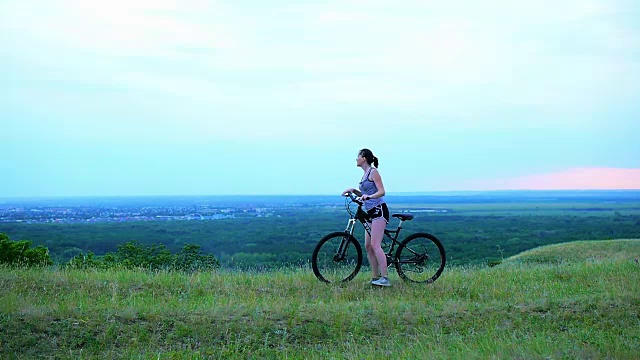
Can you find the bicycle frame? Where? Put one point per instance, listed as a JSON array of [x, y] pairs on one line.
[[361, 216]]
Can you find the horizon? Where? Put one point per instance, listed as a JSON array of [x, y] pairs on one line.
[[396, 194], [155, 98]]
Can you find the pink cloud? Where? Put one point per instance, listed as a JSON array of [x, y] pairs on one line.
[[570, 179]]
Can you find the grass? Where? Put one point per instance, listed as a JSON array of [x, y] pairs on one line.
[[573, 300]]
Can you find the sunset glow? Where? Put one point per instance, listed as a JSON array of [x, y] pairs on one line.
[[571, 179]]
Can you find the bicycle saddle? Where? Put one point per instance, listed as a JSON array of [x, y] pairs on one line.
[[403, 217]]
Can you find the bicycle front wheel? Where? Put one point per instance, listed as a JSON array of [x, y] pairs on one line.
[[337, 257], [420, 258]]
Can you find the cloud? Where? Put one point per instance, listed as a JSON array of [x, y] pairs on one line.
[[453, 81], [499, 53], [114, 28]]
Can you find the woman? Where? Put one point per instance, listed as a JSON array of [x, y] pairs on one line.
[[371, 191]]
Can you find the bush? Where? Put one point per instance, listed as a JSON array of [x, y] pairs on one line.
[[22, 254], [88, 261], [156, 257], [191, 258]]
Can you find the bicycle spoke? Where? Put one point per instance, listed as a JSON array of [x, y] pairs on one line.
[[420, 258], [337, 258]]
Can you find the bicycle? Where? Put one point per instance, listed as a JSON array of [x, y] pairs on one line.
[[337, 257]]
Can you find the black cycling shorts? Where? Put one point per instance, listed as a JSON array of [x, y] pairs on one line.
[[380, 211]]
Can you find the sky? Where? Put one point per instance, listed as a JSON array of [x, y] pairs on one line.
[[190, 97]]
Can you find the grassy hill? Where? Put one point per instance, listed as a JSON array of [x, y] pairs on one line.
[[573, 300], [579, 251]]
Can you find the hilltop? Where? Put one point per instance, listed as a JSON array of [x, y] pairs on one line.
[[579, 251], [572, 300]]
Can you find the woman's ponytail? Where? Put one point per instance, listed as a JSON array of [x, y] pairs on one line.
[[368, 155]]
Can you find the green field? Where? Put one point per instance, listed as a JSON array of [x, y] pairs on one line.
[[542, 208], [578, 300]]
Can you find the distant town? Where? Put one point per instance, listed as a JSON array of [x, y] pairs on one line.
[[94, 215], [211, 208], [75, 213], [130, 209]]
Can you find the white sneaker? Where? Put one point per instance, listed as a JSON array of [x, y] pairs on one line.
[[383, 281]]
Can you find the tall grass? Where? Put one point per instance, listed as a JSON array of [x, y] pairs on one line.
[[584, 307]]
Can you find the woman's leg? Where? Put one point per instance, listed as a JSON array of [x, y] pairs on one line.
[[375, 272], [377, 233]]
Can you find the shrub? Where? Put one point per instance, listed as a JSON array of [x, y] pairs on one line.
[[88, 261], [21, 253], [155, 257], [191, 258]]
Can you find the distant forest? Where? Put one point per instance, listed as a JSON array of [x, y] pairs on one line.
[[474, 228]]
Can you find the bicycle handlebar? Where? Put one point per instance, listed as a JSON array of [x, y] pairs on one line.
[[354, 198]]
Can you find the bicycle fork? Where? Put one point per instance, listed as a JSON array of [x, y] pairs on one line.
[[351, 224], [341, 252]]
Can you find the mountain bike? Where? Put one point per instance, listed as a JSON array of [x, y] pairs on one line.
[[337, 257]]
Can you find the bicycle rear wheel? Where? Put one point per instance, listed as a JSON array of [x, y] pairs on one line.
[[337, 257], [420, 258]]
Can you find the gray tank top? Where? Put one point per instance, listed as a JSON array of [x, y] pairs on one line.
[[368, 187]]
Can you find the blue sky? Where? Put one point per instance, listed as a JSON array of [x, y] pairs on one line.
[[249, 97]]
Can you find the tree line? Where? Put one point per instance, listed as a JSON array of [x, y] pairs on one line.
[[129, 255], [277, 241]]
